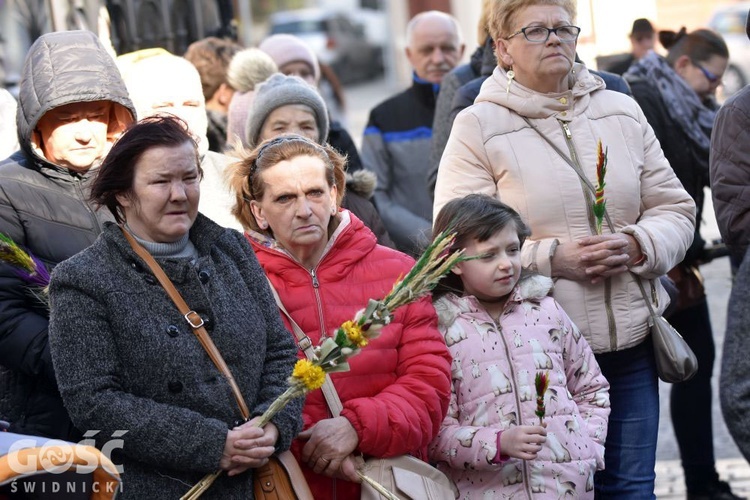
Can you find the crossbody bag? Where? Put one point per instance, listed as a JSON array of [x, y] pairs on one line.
[[675, 361], [281, 477]]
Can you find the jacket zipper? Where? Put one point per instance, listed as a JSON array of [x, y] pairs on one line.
[[592, 225], [654, 295], [82, 198], [524, 466], [319, 303]]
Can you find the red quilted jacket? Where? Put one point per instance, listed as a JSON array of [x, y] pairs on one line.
[[397, 391]]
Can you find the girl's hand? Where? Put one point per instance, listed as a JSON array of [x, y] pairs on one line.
[[523, 441]]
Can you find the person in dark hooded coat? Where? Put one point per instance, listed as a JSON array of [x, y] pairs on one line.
[[73, 104]]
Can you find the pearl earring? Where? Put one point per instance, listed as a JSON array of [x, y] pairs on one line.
[[263, 225]]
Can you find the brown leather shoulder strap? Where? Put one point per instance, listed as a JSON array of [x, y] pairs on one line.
[[193, 319]]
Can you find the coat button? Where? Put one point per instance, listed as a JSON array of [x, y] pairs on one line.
[[173, 331], [203, 276], [175, 386]]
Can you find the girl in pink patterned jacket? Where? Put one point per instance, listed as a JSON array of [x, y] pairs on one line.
[[502, 330]]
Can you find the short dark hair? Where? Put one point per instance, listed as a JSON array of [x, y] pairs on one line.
[[475, 216], [642, 28], [117, 172]]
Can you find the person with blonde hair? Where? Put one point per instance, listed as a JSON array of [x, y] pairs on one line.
[[533, 139], [248, 69]]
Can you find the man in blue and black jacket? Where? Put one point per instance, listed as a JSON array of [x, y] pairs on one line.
[[396, 143]]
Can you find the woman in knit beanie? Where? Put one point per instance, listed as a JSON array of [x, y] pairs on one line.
[[294, 57], [247, 69], [288, 105], [281, 95]]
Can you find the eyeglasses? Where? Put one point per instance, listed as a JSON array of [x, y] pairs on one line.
[[540, 34], [712, 78]]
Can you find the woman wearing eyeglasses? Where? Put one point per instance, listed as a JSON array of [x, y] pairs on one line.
[[533, 128], [677, 94]]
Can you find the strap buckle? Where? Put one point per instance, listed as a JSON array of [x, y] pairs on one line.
[[305, 343], [194, 324]]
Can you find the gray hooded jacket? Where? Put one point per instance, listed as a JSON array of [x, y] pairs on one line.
[[44, 208]]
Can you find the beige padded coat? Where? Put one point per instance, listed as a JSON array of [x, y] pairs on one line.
[[492, 150]]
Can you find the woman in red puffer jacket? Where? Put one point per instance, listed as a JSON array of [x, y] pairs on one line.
[[325, 265]]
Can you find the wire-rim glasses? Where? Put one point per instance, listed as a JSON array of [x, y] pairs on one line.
[[540, 34]]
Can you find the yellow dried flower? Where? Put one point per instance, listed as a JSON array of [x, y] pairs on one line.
[[311, 375], [354, 333]]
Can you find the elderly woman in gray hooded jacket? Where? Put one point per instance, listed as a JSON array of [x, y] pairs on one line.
[[127, 361]]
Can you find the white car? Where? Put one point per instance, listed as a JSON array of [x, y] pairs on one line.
[[729, 21]]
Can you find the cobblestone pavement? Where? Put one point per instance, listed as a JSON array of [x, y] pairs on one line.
[[669, 478]]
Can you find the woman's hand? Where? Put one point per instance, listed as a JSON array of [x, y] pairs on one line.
[[248, 447], [523, 441], [329, 444], [595, 258]]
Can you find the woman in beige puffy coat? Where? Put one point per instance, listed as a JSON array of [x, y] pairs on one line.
[[538, 111]]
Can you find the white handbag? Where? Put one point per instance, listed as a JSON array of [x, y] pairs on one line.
[[407, 477]]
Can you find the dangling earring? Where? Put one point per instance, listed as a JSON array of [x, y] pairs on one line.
[[511, 75]]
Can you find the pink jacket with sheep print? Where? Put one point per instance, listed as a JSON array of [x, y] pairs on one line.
[[493, 373]]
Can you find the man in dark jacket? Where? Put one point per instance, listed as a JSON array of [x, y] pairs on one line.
[[396, 143], [729, 169], [642, 40], [73, 104]]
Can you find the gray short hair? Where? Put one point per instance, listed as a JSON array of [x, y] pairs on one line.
[[414, 21]]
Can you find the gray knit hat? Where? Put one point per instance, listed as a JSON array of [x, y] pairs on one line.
[[281, 90]]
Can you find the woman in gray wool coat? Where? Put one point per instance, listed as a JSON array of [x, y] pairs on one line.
[[127, 360]]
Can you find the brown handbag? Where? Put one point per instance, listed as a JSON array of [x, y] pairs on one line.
[[281, 477], [689, 283]]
